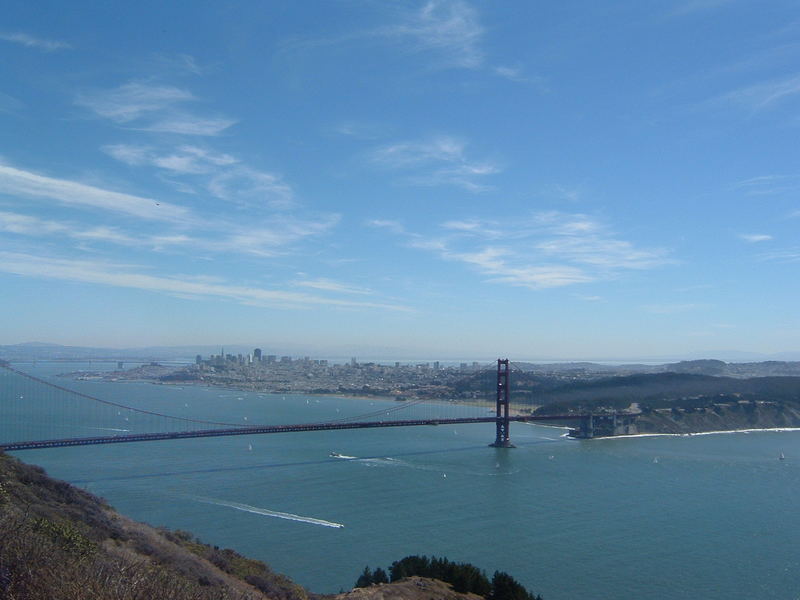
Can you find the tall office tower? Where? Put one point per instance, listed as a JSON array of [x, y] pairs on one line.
[[257, 355]]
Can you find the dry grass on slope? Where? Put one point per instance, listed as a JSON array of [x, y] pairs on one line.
[[60, 543], [410, 588]]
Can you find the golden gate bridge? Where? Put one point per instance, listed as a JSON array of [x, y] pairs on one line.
[[34, 411]]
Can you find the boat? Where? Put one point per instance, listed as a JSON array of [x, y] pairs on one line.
[[335, 455], [781, 457]]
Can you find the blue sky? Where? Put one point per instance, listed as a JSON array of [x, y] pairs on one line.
[[440, 178]]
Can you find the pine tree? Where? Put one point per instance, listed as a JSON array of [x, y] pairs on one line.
[[366, 579]]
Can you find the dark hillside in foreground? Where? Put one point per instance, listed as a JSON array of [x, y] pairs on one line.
[[57, 538]]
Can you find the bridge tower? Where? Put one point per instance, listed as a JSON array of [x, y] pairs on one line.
[[503, 389]]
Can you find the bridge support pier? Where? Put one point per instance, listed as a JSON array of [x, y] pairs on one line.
[[502, 439]]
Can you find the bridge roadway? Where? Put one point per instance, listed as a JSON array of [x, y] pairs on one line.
[[259, 429]]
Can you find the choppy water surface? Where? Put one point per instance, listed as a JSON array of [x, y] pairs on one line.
[[713, 516]]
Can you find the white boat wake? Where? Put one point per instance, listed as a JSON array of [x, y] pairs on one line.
[[269, 513]]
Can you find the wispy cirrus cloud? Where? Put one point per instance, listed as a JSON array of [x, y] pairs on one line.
[[251, 187], [133, 100], [18, 182], [34, 226], [451, 28], [130, 276], [152, 107], [439, 160], [272, 238], [754, 238], [186, 124], [768, 185], [31, 41], [762, 96], [517, 74], [544, 250], [255, 233], [184, 159], [787, 255], [328, 285], [224, 175]]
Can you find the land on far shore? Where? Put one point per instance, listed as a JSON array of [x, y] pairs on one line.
[[684, 397]]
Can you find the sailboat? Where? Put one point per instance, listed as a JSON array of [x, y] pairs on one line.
[[781, 457]]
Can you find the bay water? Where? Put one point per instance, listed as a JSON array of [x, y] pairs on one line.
[[704, 516]]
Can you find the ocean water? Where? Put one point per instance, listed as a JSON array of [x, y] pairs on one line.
[[707, 516]]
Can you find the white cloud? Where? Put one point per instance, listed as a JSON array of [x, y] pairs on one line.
[[225, 179], [34, 42], [133, 100], [329, 285], [543, 250], [271, 237], [393, 226], [121, 275], [788, 255], [440, 160], [252, 188], [26, 225], [755, 237], [267, 239], [34, 226], [517, 75], [473, 225], [450, 28], [184, 159], [152, 107], [497, 263], [600, 251], [768, 185], [185, 124], [16, 182], [763, 96]]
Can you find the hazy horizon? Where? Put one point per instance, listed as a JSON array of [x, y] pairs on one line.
[[404, 356]]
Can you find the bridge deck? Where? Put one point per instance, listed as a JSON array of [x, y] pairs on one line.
[[256, 430]]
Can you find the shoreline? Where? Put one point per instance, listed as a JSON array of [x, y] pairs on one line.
[[390, 398], [699, 433]]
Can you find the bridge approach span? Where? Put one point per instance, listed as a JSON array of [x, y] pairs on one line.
[[257, 430]]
